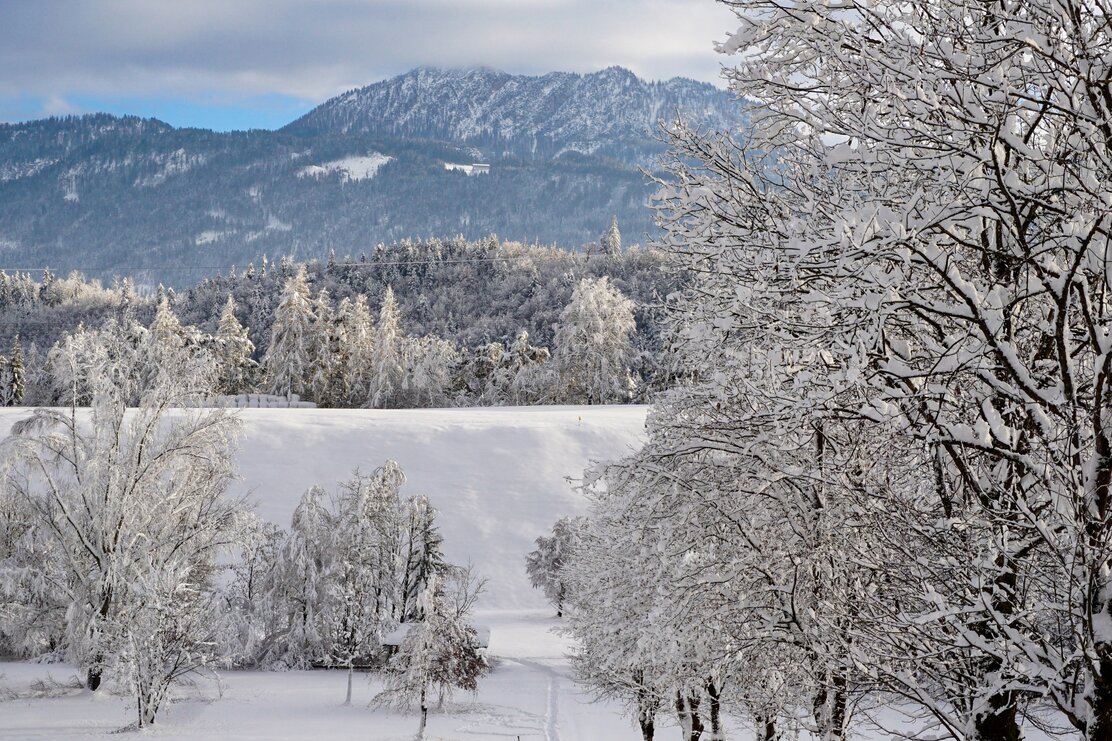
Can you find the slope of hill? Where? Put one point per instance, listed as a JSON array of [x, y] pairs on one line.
[[497, 475], [128, 195]]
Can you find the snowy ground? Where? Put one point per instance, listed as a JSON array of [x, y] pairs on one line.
[[499, 478], [528, 696]]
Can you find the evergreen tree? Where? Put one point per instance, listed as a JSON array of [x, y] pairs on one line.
[[233, 350], [288, 363], [420, 556], [19, 373], [356, 329], [166, 329], [321, 349], [387, 375], [611, 241], [7, 382]]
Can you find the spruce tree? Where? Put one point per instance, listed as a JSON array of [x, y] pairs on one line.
[[611, 241], [18, 373], [387, 361], [234, 365], [288, 363]]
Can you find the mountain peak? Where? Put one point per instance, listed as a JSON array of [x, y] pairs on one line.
[[523, 114]]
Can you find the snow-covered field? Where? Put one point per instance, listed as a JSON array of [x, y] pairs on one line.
[[499, 478]]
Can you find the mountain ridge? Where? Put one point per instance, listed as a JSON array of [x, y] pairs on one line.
[[373, 165]]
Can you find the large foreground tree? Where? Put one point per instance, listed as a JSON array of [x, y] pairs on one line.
[[918, 221], [128, 511]]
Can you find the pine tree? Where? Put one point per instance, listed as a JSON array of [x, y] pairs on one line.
[[611, 241], [357, 333], [19, 373], [7, 382], [233, 350], [321, 349], [288, 363], [420, 556], [387, 375], [166, 329]]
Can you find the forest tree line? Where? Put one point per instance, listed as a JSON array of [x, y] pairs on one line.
[[315, 337]]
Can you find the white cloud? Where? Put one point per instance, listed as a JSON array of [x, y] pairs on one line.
[[312, 50]]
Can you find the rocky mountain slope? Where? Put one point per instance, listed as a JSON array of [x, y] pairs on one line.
[[126, 195]]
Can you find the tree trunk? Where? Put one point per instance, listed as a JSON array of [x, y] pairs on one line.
[[714, 698], [93, 676], [424, 715], [1000, 723], [1100, 698], [647, 727], [351, 670], [765, 728], [687, 710]]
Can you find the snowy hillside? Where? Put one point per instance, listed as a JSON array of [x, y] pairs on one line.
[[497, 475]]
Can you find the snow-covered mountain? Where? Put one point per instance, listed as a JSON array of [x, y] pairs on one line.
[[544, 115], [375, 165]]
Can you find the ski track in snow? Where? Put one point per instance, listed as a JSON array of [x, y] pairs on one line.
[[552, 706]]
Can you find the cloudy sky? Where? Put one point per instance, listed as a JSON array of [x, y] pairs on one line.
[[231, 64]]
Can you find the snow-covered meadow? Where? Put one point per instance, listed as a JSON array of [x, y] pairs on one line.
[[500, 477]]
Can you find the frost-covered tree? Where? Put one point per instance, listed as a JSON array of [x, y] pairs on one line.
[[545, 564], [387, 371], [251, 615], [301, 578], [288, 362], [611, 242], [921, 197], [440, 653], [322, 347], [594, 345], [135, 504], [351, 569], [13, 377], [430, 369], [232, 352], [353, 353]]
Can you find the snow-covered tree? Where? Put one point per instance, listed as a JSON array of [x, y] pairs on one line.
[[232, 352], [321, 349], [440, 653], [593, 345], [430, 367], [387, 371], [545, 564], [135, 503], [353, 355], [166, 328], [922, 197], [419, 556], [13, 376], [288, 362], [611, 242], [302, 582]]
